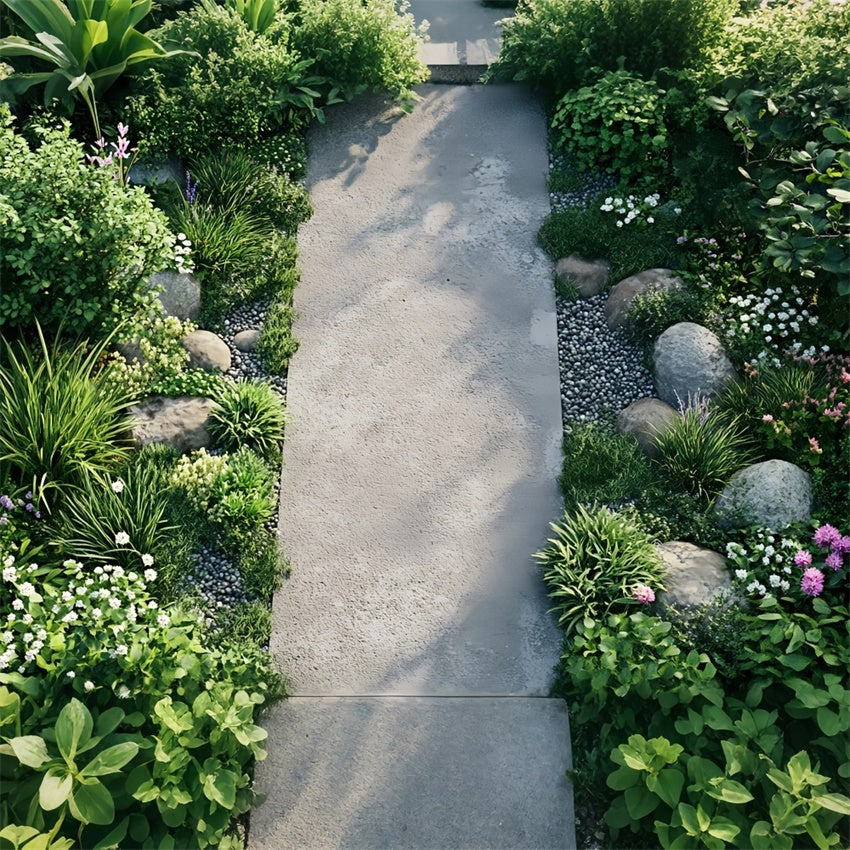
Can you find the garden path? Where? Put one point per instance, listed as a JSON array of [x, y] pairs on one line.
[[419, 473]]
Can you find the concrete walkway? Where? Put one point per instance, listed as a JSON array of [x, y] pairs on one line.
[[419, 475]]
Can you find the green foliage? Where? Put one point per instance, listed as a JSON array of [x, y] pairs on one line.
[[554, 44], [700, 450], [594, 234], [93, 524], [286, 151], [75, 242], [60, 421], [614, 125], [602, 467], [243, 87], [276, 344], [262, 567], [655, 310], [594, 562], [247, 622], [259, 15], [794, 44], [235, 181], [89, 43], [360, 44], [248, 413]]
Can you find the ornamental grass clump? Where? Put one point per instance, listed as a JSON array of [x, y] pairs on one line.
[[251, 414], [597, 560]]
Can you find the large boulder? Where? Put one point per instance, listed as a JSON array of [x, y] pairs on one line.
[[690, 361], [645, 419], [179, 422], [153, 172], [180, 294], [771, 494], [207, 351], [695, 576], [587, 276], [622, 296]]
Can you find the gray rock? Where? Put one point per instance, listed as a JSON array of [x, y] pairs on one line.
[[246, 340], [694, 575], [154, 172], [180, 294], [689, 361], [645, 419], [622, 296], [130, 350], [771, 494], [587, 276], [207, 351], [179, 422]]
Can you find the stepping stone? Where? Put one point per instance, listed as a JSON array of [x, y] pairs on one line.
[[422, 774]]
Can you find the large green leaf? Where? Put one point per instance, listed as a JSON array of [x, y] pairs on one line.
[[30, 750], [110, 760], [73, 729], [55, 788], [92, 804]]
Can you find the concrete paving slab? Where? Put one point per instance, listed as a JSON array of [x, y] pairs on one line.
[[425, 427], [439, 53], [481, 51], [424, 774], [458, 20]]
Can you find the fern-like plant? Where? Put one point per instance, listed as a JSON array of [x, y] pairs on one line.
[[594, 561]]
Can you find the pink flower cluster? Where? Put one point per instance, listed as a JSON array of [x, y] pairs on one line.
[[643, 594], [826, 537]]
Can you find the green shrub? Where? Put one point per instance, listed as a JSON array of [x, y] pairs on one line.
[[555, 43], [795, 44], [602, 467], [75, 242], [286, 151], [262, 567], [655, 310], [276, 344], [60, 421], [232, 95], [235, 181], [116, 521], [614, 125], [359, 44], [700, 450], [248, 413], [593, 233], [594, 562]]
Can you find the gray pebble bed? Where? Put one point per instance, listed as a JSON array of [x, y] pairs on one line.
[[248, 364]]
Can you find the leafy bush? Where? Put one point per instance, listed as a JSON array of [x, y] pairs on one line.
[[248, 413], [60, 421], [595, 561], [232, 95], [119, 521], [554, 44], [655, 310], [286, 151], [614, 125], [602, 467], [794, 44], [262, 567], [76, 242], [236, 181], [700, 450], [359, 44]]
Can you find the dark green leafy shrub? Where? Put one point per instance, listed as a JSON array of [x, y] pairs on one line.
[[614, 125], [602, 467], [359, 44], [60, 421], [655, 310], [235, 181], [595, 561], [287, 151], [248, 413], [75, 242], [700, 451], [262, 567], [554, 43], [229, 96]]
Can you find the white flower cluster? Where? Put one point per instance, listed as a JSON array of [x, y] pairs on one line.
[[101, 603], [182, 257], [774, 318], [633, 209], [765, 565]]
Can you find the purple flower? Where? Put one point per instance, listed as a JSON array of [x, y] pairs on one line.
[[30, 507], [812, 582], [191, 189], [842, 545], [827, 535], [834, 560], [803, 558], [9, 505], [643, 594]]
